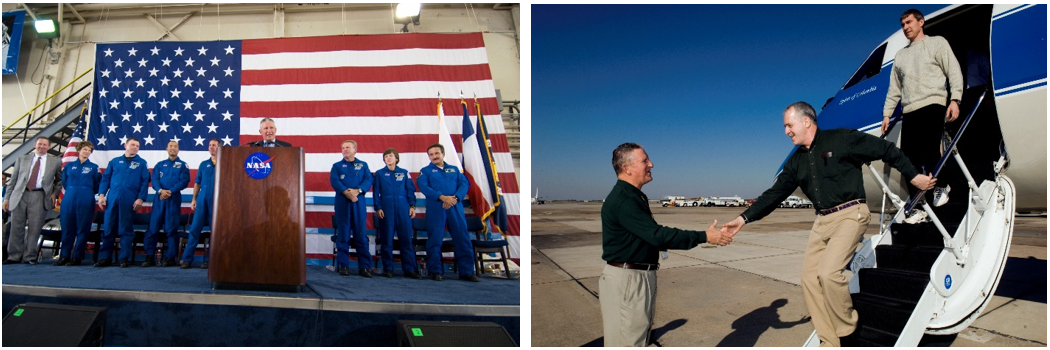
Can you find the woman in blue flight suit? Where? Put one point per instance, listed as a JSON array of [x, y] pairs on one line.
[[394, 199], [80, 179]]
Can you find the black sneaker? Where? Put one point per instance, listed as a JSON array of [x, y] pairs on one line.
[[388, 273], [364, 273], [413, 275], [204, 265], [469, 278], [344, 270], [184, 265], [169, 263], [61, 262], [435, 277], [104, 263], [124, 263], [74, 262], [149, 263]]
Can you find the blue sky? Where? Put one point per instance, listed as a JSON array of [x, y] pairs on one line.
[[701, 87]]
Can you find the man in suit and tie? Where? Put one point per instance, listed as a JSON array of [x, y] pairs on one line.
[[268, 130], [37, 180]]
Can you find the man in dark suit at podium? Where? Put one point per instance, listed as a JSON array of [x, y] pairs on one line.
[[268, 130]]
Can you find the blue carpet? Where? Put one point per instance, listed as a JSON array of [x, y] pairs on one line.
[[147, 317], [330, 285], [133, 323]]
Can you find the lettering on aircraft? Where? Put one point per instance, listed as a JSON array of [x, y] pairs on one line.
[[857, 95]]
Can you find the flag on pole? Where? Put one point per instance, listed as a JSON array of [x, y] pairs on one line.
[[71, 150], [474, 163], [445, 139], [499, 215], [492, 174], [378, 90]]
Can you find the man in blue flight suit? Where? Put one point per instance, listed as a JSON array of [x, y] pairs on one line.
[[170, 177], [444, 185], [351, 179], [121, 194], [394, 199], [203, 189], [81, 179]]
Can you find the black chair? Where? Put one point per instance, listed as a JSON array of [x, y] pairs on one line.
[[140, 221], [52, 231], [185, 220], [335, 249], [95, 236], [420, 244], [483, 246], [377, 223], [353, 248]]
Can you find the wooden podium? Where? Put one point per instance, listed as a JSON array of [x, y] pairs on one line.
[[258, 238]]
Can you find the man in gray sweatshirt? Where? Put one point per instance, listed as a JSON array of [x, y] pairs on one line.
[[918, 78]]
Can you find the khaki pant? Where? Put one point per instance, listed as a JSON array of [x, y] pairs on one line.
[[834, 239], [628, 299]]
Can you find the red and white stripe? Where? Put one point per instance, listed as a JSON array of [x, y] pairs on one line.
[[379, 90]]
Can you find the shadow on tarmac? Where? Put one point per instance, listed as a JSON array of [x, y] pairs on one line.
[[1021, 277], [749, 327]]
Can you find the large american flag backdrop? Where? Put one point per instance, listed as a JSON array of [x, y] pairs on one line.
[[379, 90]]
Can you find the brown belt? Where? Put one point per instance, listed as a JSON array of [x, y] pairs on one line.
[[638, 266], [841, 206]]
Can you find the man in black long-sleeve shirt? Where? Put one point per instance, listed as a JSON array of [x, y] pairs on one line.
[[827, 167], [631, 242]]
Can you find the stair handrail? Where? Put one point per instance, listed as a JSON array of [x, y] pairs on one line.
[[951, 148], [47, 99], [53, 108], [951, 151]]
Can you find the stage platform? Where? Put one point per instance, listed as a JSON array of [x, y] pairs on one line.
[[168, 306]]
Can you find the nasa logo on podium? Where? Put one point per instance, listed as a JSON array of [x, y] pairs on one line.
[[258, 165]]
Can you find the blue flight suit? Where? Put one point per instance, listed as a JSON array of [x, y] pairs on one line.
[[394, 194], [205, 203], [173, 175], [350, 216], [450, 181], [81, 180], [123, 183]]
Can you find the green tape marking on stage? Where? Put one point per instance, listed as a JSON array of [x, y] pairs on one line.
[[415, 331], [19, 312]]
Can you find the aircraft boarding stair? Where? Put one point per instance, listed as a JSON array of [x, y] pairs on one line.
[[933, 277]]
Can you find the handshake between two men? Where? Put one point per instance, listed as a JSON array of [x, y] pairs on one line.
[[724, 235]]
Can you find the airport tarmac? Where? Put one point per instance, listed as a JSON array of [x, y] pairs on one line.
[[747, 293]]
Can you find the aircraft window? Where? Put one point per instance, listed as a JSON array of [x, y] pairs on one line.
[[871, 67]]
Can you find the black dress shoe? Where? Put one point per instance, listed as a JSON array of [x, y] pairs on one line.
[[169, 263], [148, 263], [184, 265], [388, 273], [61, 262], [104, 263], [344, 270], [124, 263], [469, 278], [413, 275], [74, 262], [364, 273], [32, 262], [435, 277]]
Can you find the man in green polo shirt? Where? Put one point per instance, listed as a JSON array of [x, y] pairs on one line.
[[827, 167], [631, 245]]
